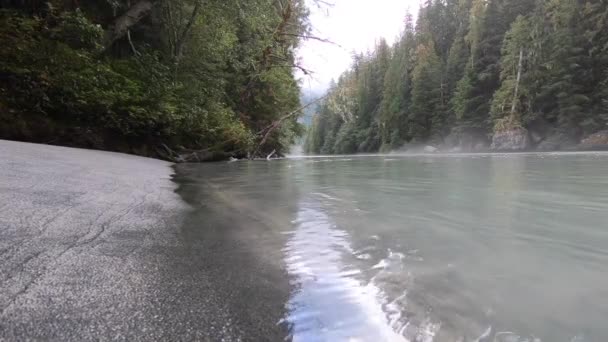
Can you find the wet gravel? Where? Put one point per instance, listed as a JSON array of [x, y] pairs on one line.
[[100, 246]]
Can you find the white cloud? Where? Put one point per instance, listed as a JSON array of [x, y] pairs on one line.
[[354, 25]]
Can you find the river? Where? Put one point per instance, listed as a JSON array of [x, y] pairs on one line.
[[496, 247]]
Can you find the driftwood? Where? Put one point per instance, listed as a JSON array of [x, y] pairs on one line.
[[203, 156], [211, 154], [124, 22]]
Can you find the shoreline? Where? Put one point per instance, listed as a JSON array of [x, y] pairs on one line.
[[101, 245], [603, 149]]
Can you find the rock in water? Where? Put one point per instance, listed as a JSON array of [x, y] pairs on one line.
[[557, 141], [456, 149], [465, 141], [515, 139], [430, 149], [480, 147], [594, 141]]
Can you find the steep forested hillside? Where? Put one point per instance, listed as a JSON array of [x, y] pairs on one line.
[[154, 77], [471, 75]]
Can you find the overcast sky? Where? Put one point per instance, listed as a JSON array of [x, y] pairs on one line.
[[353, 24]]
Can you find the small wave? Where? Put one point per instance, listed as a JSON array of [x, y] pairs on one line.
[[507, 336], [364, 256], [392, 259], [484, 335], [326, 196], [330, 303], [394, 280], [381, 264]]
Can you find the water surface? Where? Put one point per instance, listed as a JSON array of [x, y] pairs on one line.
[[490, 247]]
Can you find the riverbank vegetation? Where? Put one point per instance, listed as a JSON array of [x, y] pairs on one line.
[[177, 79], [473, 75]]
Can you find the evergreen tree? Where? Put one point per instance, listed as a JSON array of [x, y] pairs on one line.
[[475, 68], [393, 119], [426, 117], [512, 100], [567, 68], [457, 59]]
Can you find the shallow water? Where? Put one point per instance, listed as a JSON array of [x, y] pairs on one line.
[[490, 247]]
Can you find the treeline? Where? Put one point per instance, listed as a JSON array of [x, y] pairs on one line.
[[474, 75], [178, 79]]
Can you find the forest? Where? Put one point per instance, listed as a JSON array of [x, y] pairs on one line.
[[476, 75], [185, 80]]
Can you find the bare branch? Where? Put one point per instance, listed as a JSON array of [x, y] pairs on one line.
[[135, 52], [131, 17], [271, 154], [180, 41], [305, 71], [324, 3], [265, 133], [308, 37]]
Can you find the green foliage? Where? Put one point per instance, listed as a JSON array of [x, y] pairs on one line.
[[396, 97], [75, 30], [457, 72], [213, 78], [508, 107], [425, 116]]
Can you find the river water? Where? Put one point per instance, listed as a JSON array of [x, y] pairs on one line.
[[496, 247]]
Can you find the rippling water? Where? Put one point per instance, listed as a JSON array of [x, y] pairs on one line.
[[505, 248]]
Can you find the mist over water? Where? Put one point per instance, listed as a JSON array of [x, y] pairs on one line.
[[496, 247]]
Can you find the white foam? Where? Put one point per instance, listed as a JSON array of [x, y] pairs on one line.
[[326, 196]]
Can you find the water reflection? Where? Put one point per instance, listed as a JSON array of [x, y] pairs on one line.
[[479, 248], [483, 248], [330, 303], [336, 300]]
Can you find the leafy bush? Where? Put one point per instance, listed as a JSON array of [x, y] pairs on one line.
[[77, 31], [55, 71]]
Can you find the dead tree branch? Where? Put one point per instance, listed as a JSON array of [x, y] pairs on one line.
[[123, 23], [265, 133]]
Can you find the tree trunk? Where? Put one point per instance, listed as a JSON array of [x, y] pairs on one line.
[[123, 23], [519, 66], [179, 44]]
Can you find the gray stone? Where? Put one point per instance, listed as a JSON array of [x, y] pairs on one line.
[[451, 140], [430, 149], [464, 141], [598, 140], [536, 137], [555, 142], [515, 139], [480, 146]]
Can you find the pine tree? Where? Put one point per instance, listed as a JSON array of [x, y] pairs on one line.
[[457, 59], [595, 16], [393, 119], [426, 118], [475, 68], [567, 67], [371, 87], [512, 100]]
